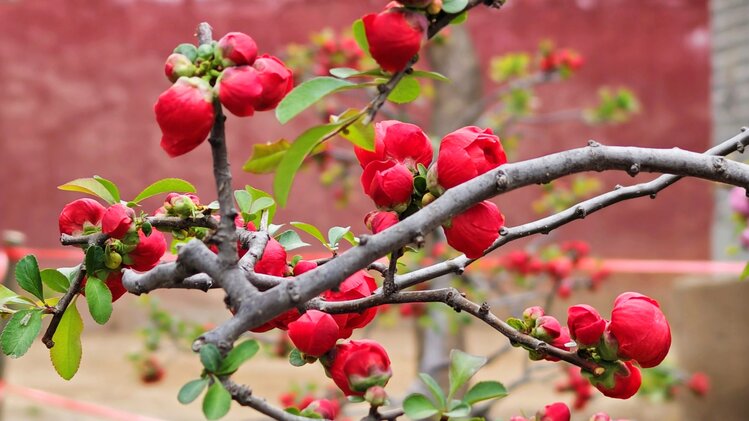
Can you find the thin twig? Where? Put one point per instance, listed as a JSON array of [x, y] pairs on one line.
[[62, 305]]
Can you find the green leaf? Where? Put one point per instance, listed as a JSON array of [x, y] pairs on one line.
[[434, 389], [55, 280], [99, 300], [262, 203], [244, 200], [110, 186], [94, 260], [430, 75], [306, 94], [166, 185], [217, 401], [417, 406], [20, 332], [335, 234], [457, 20], [7, 296], [361, 135], [296, 359], [454, 6], [266, 157], [89, 186], [191, 390], [347, 72], [238, 355], [311, 230], [744, 273], [257, 194], [360, 35], [67, 352], [290, 240], [458, 409], [407, 90], [294, 157], [28, 276], [517, 324], [349, 236], [210, 356], [485, 390], [462, 367]]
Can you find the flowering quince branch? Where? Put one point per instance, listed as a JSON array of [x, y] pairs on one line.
[[61, 306], [165, 222]]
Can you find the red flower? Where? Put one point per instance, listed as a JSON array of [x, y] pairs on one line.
[[559, 268], [303, 266], [699, 383], [147, 253], [326, 408], [388, 183], [238, 88], [467, 153], [378, 221], [640, 328], [358, 365], [117, 220], [273, 261], [314, 333], [402, 142], [358, 285], [627, 380], [547, 329], [560, 342], [739, 201], [236, 49], [394, 36], [557, 411], [178, 65], [474, 230], [80, 216], [276, 80], [577, 249], [185, 115], [586, 325], [113, 282]]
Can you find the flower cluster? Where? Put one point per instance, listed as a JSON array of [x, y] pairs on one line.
[[398, 177], [564, 60], [228, 69], [536, 323], [131, 243]]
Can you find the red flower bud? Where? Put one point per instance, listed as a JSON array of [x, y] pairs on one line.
[[238, 88], [178, 65], [303, 266], [147, 253], [80, 216], [557, 411], [640, 328], [467, 153], [358, 365], [237, 49], [378, 221], [395, 36], [358, 285], [699, 384], [388, 183], [326, 408], [627, 380], [570, 59], [402, 142], [273, 261], [560, 342], [117, 220], [178, 204], [314, 333], [547, 329], [185, 115], [738, 201], [531, 314], [578, 249], [559, 268], [474, 230], [276, 80], [586, 325]]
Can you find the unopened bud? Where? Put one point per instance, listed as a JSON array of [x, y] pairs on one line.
[[435, 7], [427, 199], [376, 396], [178, 65], [188, 50], [112, 260]]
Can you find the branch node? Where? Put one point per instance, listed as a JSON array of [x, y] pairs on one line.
[[653, 195], [719, 164], [743, 129], [593, 144], [484, 309], [363, 239], [634, 169], [502, 181], [618, 186], [504, 231], [581, 212], [292, 288], [740, 147]]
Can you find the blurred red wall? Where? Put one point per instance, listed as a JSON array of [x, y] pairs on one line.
[[79, 79]]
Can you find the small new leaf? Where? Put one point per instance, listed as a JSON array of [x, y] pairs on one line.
[[407, 90], [311, 230], [28, 276], [290, 240], [20, 332], [217, 401], [306, 94], [434, 389], [296, 359], [335, 234], [454, 6], [266, 157], [191, 390], [99, 300], [462, 367], [89, 186], [210, 356], [67, 352], [238, 355], [244, 200], [485, 390], [417, 406], [166, 185]]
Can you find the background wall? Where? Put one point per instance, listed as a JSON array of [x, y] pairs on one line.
[[80, 79]]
